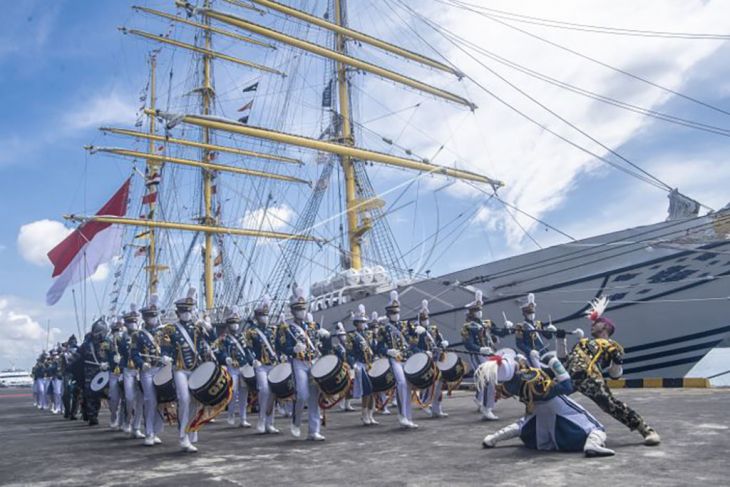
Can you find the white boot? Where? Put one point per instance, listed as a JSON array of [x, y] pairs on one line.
[[261, 425], [366, 417], [403, 421], [231, 419], [652, 438], [271, 429], [315, 437], [186, 446], [506, 433], [137, 434], [348, 405], [296, 432], [370, 413], [488, 415], [149, 440], [595, 445], [157, 440]]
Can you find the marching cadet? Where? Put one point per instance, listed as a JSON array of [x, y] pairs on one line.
[[37, 374], [187, 349], [299, 341], [586, 363], [393, 344], [72, 378], [133, 398], [117, 340], [478, 340], [359, 347], [43, 382], [553, 421], [94, 353], [373, 327], [261, 338], [147, 357], [234, 354], [530, 332], [57, 381], [431, 342]]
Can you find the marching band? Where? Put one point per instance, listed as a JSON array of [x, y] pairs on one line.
[[188, 372]]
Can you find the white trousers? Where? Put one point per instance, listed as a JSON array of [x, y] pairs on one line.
[[58, 394], [266, 398], [115, 398], [240, 394], [153, 424], [133, 398], [307, 393], [402, 388], [36, 392], [185, 407], [44, 392]]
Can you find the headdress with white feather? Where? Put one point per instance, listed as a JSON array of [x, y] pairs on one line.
[[394, 304], [478, 302], [598, 306]]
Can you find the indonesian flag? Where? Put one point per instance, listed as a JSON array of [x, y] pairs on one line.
[[80, 254]]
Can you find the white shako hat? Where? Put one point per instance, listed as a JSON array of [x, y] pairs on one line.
[[263, 306], [393, 305], [188, 302], [423, 313], [529, 303], [151, 309], [360, 315], [478, 302], [297, 300]]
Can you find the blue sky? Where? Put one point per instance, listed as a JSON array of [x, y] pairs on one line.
[[65, 70]]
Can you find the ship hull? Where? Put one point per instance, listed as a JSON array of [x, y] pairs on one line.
[[670, 304]]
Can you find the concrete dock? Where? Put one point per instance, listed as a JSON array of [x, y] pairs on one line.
[[39, 448]]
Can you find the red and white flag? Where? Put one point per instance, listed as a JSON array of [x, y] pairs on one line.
[[93, 243]]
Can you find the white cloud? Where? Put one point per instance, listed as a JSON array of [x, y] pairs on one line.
[[107, 107], [37, 238], [23, 337], [101, 273], [275, 218], [539, 170]]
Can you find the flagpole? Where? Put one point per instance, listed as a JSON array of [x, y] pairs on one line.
[[48, 333], [76, 313]]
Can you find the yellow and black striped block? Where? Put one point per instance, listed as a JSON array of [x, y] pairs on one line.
[[691, 382]]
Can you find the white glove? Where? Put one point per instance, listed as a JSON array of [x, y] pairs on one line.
[[166, 360], [300, 347], [229, 361], [322, 333], [551, 328], [420, 330], [509, 325], [444, 343], [256, 364], [104, 366], [117, 358], [485, 351], [146, 366], [578, 332], [429, 353], [392, 352]]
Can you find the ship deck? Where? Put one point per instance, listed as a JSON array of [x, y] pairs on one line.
[[43, 449]]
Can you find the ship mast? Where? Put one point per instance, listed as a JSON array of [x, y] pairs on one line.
[[354, 230], [206, 96], [153, 167]]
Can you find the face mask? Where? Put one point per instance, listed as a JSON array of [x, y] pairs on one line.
[[262, 320], [234, 327], [530, 316], [425, 323], [132, 326], [186, 316], [478, 315], [300, 314], [394, 317], [150, 322]]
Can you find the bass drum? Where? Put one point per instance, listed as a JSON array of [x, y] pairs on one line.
[[164, 385], [330, 374], [281, 381], [100, 384], [451, 366], [419, 371], [249, 376], [209, 383], [381, 376]]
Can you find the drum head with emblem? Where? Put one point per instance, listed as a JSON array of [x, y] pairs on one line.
[[325, 365], [100, 381], [416, 363]]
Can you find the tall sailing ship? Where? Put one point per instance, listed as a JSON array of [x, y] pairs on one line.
[[258, 172]]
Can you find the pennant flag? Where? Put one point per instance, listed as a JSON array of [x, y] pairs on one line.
[[218, 259], [160, 148], [327, 95], [251, 88], [79, 255], [247, 106], [212, 156], [243, 119], [149, 198], [141, 251]]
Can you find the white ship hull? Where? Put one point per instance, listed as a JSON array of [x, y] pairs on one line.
[[669, 299]]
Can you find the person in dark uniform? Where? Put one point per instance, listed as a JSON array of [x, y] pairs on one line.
[[94, 352]]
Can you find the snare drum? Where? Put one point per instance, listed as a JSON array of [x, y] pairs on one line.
[[451, 366], [281, 381], [419, 371], [164, 385], [100, 384], [331, 374], [381, 377], [249, 376], [209, 383]]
